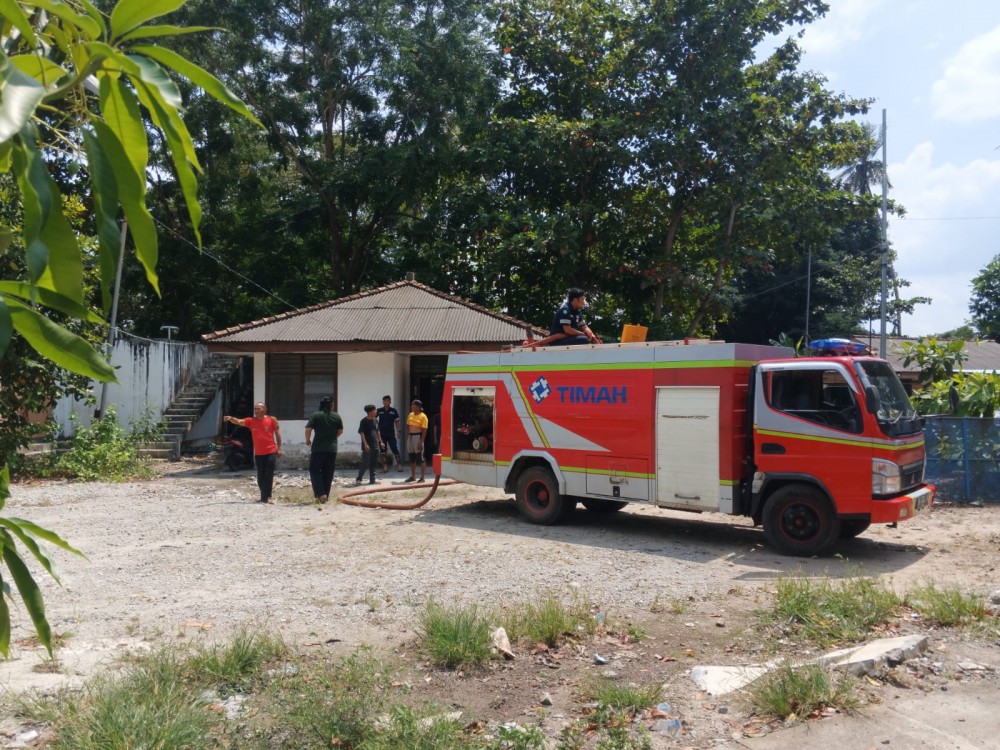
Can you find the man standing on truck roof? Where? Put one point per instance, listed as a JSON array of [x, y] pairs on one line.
[[568, 326]]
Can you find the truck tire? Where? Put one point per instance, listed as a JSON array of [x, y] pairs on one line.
[[799, 520], [596, 505], [538, 500], [852, 528]]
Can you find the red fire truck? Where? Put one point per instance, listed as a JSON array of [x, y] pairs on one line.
[[814, 449]]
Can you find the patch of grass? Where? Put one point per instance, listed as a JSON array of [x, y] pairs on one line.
[[790, 692], [825, 613], [236, 665], [516, 737], [147, 705], [455, 636], [635, 632], [48, 666], [153, 700], [324, 703], [549, 619], [38, 707], [58, 640], [406, 730], [620, 734], [674, 605], [948, 607], [609, 693]]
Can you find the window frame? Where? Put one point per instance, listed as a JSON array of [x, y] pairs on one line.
[[289, 395], [829, 418]]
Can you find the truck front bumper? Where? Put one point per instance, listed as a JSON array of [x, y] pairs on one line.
[[904, 507]]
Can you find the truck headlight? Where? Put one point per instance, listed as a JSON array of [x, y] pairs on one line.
[[887, 479]]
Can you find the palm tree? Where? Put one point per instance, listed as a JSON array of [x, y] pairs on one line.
[[868, 171], [859, 178]]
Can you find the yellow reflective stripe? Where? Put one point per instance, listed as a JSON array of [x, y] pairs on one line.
[[870, 443], [695, 364]]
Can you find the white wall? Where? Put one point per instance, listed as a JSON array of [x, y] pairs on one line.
[[362, 378], [150, 374]]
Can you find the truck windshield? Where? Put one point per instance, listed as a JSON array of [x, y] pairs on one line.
[[895, 415]]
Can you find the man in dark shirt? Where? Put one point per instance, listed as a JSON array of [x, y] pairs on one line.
[[370, 444], [388, 427], [568, 326], [326, 425]]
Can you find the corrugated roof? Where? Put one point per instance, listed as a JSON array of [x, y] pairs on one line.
[[404, 312], [983, 355]]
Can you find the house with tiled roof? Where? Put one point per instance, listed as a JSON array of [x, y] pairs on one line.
[[391, 340], [981, 356]]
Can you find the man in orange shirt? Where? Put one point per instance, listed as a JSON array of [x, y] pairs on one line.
[[266, 446]]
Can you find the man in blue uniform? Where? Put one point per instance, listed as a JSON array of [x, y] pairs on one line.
[[388, 427], [568, 326]]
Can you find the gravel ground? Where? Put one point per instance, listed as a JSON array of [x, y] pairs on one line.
[[191, 554]]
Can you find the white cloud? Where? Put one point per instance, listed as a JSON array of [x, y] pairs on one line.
[[947, 237], [847, 21], [968, 90]]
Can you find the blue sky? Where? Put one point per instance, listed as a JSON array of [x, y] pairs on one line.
[[935, 67]]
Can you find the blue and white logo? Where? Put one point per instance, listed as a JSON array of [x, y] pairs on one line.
[[540, 390]]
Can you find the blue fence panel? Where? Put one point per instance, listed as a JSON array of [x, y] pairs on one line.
[[963, 458]]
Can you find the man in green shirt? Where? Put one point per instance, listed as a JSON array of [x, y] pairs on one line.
[[327, 426]]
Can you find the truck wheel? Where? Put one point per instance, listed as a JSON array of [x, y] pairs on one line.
[[851, 528], [602, 506], [799, 520], [538, 499]]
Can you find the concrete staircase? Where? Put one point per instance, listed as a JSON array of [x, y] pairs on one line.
[[165, 451], [191, 403]]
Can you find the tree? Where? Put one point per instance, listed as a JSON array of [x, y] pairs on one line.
[[867, 170], [74, 81], [641, 152], [985, 302], [30, 383], [945, 387]]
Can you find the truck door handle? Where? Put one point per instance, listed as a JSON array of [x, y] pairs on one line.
[[772, 448], [679, 496]]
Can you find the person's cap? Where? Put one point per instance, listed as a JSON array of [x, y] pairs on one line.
[[325, 401], [418, 402]]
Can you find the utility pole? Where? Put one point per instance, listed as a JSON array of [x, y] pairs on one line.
[[883, 353], [809, 270]]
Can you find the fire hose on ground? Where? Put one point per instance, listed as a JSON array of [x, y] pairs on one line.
[[348, 497]]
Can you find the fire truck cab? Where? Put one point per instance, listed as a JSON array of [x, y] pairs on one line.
[[813, 449]]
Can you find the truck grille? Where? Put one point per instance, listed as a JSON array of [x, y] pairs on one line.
[[912, 475]]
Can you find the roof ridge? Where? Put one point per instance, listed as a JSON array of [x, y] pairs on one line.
[[242, 327]]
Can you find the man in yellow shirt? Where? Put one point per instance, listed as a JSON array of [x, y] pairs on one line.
[[416, 432]]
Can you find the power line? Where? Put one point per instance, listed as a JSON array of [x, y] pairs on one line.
[[203, 251], [229, 268]]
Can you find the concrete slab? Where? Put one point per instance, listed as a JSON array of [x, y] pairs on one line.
[[963, 718], [871, 657], [722, 680], [867, 658]]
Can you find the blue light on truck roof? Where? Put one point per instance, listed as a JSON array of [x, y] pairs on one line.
[[838, 346]]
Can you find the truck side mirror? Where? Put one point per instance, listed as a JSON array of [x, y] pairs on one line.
[[871, 399]]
